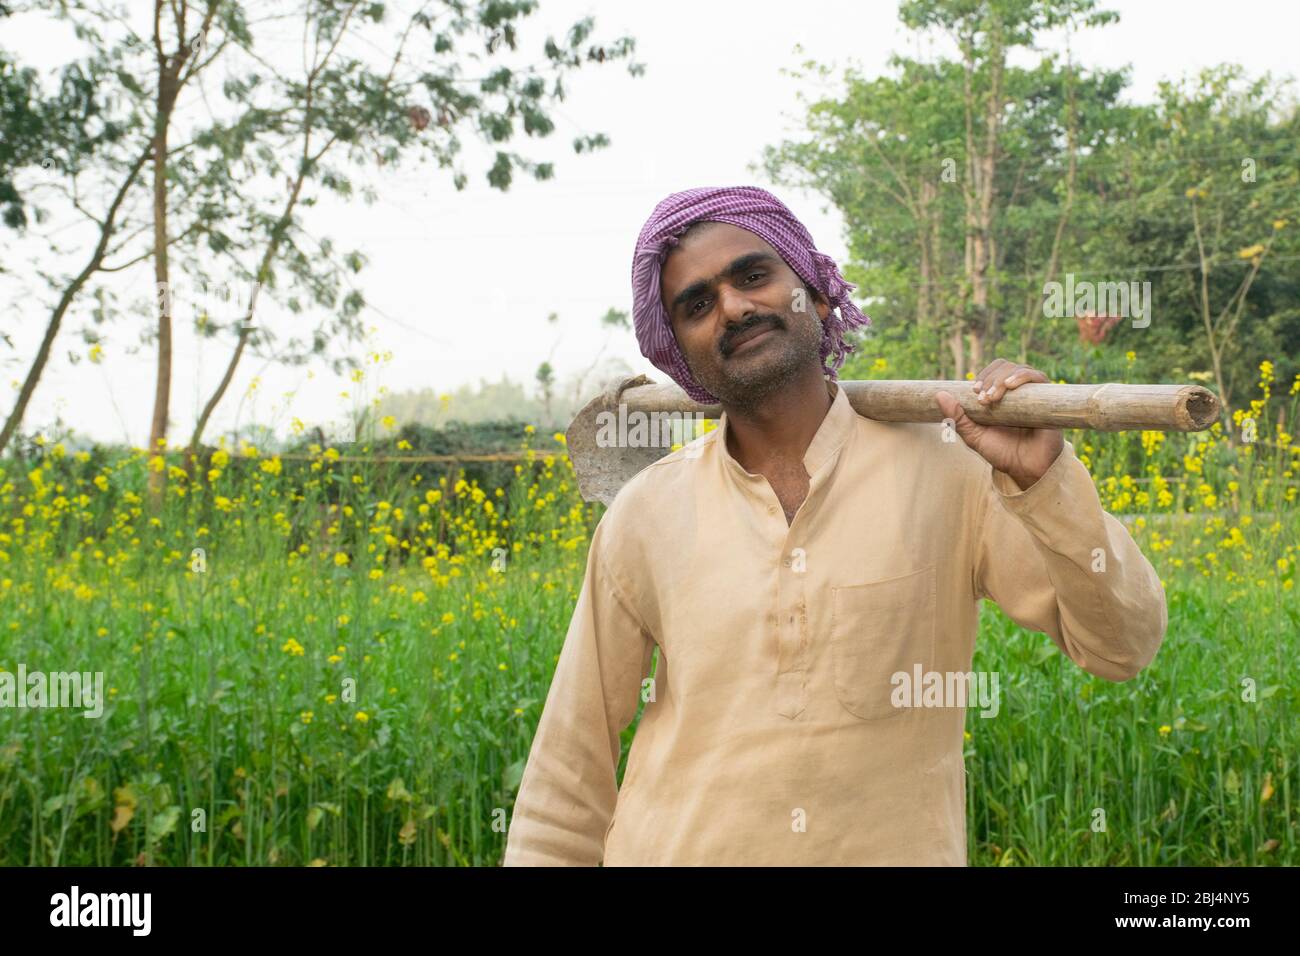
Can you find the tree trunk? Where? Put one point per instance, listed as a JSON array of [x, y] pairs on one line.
[[958, 351], [167, 91], [981, 165], [976, 337], [65, 301]]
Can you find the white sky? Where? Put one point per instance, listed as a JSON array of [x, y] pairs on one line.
[[711, 98]]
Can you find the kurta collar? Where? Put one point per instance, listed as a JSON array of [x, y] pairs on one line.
[[831, 434]]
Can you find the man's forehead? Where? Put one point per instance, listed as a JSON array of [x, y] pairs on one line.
[[709, 249]]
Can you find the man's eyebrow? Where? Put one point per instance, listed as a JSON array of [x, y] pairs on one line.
[[747, 261]]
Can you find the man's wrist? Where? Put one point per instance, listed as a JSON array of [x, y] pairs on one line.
[[1026, 481]]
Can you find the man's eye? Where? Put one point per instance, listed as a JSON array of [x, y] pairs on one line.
[[752, 275], [696, 305]]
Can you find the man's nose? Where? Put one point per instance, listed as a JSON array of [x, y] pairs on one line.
[[734, 306]]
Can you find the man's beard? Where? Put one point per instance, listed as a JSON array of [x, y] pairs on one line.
[[742, 382]]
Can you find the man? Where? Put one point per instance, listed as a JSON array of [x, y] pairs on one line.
[[797, 568]]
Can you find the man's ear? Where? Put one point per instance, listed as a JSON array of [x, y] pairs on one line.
[[819, 303]]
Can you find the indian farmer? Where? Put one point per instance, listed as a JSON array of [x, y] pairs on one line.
[[812, 581]]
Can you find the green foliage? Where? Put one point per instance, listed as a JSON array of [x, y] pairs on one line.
[[1083, 183], [447, 603]]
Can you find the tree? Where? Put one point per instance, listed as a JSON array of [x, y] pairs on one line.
[[545, 384], [175, 68], [1206, 192], [81, 149], [222, 210], [956, 177]]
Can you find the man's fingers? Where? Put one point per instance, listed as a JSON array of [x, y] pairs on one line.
[[987, 380], [1004, 376]]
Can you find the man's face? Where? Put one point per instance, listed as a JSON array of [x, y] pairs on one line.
[[735, 307]]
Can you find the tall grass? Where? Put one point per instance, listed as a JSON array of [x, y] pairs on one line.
[[351, 670]]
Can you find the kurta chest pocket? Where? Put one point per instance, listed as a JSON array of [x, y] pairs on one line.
[[877, 630]]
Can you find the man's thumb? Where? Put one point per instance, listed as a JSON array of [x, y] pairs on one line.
[[960, 421]]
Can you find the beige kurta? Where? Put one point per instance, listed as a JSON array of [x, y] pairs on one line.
[[773, 735]]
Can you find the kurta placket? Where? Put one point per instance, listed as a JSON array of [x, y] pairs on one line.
[[788, 615]]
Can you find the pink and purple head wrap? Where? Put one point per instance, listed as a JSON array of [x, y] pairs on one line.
[[765, 216]]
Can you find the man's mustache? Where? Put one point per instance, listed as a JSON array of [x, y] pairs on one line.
[[729, 336]]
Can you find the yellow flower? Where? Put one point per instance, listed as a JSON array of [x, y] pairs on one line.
[[293, 647], [96, 353], [1165, 730], [529, 429], [341, 559], [101, 483], [1250, 252], [362, 716], [272, 465], [1130, 357], [157, 463], [448, 617], [306, 716], [220, 458], [388, 421]]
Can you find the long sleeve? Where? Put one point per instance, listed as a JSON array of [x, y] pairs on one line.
[[1057, 563], [569, 788]]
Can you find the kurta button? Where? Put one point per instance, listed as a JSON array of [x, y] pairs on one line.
[[786, 562], [771, 510]]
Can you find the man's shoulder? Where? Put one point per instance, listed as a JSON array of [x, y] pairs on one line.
[[931, 452], [923, 440]]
